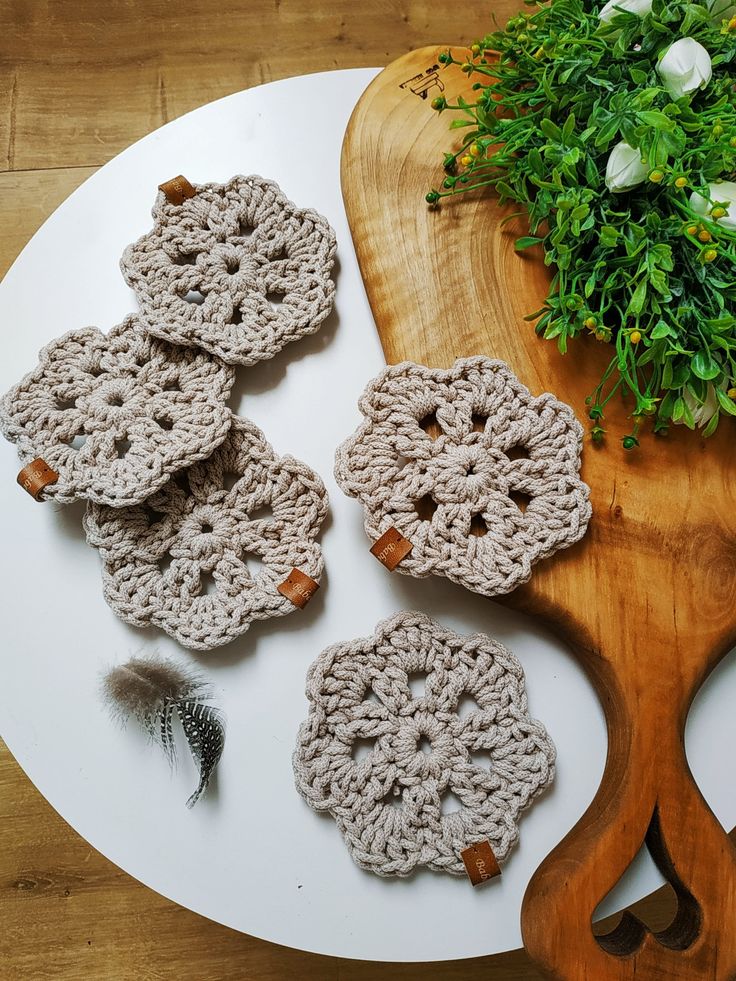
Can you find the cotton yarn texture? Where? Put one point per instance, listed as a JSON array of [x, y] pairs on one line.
[[117, 414], [479, 475], [237, 270], [180, 561], [392, 807]]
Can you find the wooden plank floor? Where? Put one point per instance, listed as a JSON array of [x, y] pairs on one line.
[[79, 81]]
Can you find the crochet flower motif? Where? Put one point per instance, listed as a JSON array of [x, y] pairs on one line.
[[116, 414], [237, 270], [435, 777], [180, 561], [481, 477]]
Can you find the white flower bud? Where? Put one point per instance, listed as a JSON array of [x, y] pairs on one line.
[[723, 194], [702, 414], [685, 67], [624, 169], [639, 7]]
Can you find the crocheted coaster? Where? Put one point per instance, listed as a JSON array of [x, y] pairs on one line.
[[116, 414], [480, 477], [237, 270], [436, 778], [180, 561]]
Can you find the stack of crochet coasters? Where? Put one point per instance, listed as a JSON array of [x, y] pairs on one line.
[[136, 421]]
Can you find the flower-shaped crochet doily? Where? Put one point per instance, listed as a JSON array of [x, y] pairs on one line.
[[237, 270], [116, 414], [451, 754], [180, 560], [481, 477]]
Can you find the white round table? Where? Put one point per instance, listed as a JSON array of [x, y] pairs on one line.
[[251, 855]]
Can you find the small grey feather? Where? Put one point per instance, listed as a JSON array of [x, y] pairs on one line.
[[152, 690]]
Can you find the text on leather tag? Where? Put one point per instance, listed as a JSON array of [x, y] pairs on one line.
[[391, 548], [480, 862], [37, 475], [298, 587], [177, 190]]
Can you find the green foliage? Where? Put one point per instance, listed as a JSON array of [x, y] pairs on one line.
[[639, 270]]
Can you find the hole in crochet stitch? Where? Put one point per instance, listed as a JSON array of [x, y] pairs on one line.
[[465, 705], [362, 748], [392, 799], [401, 462], [520, 499], [280, 253], [481, 758], [78, 442], [115, 400], [424, 746], [232, 265], [450, 803], [194, 296], [478, 526], [181, 479], [63, 404], [206, 528], [164, 422], [237, 316], [254, 564], [370, 696], [185, 259], [478, 423], [152, 516], [121, 447], [430, 425], [164, 563], [425, 507], [95, 370], [517, 453], [417, 682], [262, 513], [245, 229], [229, 480], [275, 298], [171, 386], [207, 584]]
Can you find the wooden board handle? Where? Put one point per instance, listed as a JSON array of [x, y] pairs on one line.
[[647, 796]]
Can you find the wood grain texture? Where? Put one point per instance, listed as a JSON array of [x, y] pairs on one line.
[[646, 599]]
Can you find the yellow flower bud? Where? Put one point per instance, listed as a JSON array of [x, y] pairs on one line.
[[732, 24], [718, 212], [635, 336], [475, 149], [466, 160], [681, 182], [705, 235], [692, 229], [475, 48], [590, 322], [731, 393], [709, 255], [655, 176]]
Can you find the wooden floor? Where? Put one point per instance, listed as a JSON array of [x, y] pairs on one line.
[[79, 81]]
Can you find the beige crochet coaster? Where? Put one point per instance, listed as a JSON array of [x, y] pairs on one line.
[[419, 743], [181, 560], [479, 476], [114, 415], [236, 269]]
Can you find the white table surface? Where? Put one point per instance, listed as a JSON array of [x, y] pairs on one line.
[[252, 855]]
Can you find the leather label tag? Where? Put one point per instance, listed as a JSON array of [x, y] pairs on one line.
[[177, 190], [298, 587], [480, 862], [37, 475], [391, 548]]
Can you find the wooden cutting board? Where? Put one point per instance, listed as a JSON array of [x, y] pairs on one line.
[[646, 600]]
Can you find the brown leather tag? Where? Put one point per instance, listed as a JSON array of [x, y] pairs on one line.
[[480, 862], [391, 548], [37, 475], [298, 587], [177, 190]]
